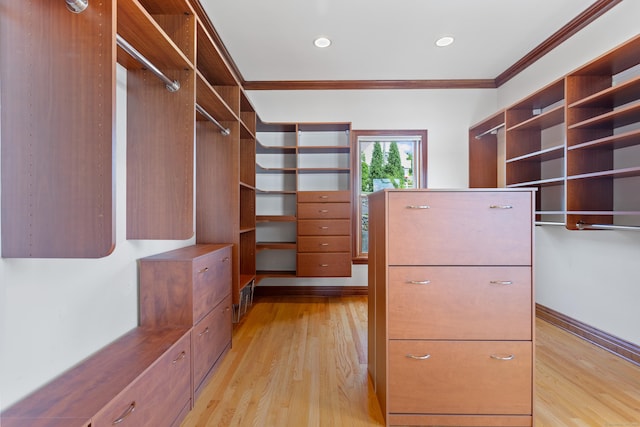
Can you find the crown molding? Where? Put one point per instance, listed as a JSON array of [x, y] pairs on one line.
[[597, 9]]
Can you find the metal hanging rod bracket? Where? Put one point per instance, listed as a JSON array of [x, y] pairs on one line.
[[77, 6], [585, 226], [172, 85], [493, 130], [223, 130]]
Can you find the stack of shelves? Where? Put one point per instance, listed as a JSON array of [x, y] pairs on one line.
[[276, 199], [603, 140], [578, 142], [292, 158], [535, 150], [225, 165]]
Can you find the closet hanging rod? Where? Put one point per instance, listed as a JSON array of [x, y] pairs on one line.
[[492, 130], [585, 226], [172, 85], [223, 130], [77, 6]]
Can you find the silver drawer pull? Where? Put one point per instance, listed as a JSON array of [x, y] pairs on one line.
[[225, 259], [181, 356], [419, 282], [323, 210], [509, 357], [501, 282], [206, 331], [500, 207], [324, 244], [324, 265], [418, 207], [323, 228], [125, 414], [423, 357], [204, 270], [226, 309], [324, 196]]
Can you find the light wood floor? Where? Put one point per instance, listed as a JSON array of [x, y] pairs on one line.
[[302, 362]]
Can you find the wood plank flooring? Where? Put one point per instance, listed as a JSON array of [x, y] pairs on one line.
[[302, 362]]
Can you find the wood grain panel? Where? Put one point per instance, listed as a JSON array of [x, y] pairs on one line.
[[460, 377], [478, 234], [324, 243], [57, 122], [324, 210], [324, 227], [460, 303]]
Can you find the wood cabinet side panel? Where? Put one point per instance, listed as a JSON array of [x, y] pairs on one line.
[[57, 122]]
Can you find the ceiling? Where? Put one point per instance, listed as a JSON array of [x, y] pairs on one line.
[[374, 40]]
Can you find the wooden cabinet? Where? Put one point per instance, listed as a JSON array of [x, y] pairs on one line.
[[324, 250], [303, 181], [577, 141], [141, 379], [451, 332], [191, 287]]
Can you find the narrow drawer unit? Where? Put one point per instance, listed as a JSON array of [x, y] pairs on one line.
[[324, 210], [324, 227], [324, 196], [324, 244], [460, 377], [180, 287], [210, 337], [491, 302], [460, 228], [157, 397], [337, 264]]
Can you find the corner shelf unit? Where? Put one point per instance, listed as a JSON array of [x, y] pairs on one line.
[[577, 141], [290, 158], [603, 140]]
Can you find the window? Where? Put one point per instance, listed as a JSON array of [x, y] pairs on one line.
[[383, 159]]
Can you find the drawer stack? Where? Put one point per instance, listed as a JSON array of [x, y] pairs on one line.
[[324, 234], [451, 306], [191, 287]]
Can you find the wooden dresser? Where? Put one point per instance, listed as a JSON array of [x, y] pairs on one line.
[[324, 234], [191, 287], [451, 319]]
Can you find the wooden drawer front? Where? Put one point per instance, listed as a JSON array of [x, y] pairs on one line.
[[212, 281], [324, 210], [324, 227], [210, 337], [460, 228], [460, 303], [158, 396], [323, 196], [460, 377], [327, 265], [324, 244]]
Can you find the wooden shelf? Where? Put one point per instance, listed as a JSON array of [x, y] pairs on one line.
[[612, 97], [551, 153], [541, 121], [622, 140], [617, 118], [276, 245], [539, 183], [275, 218], [616, 173], [260, 169]]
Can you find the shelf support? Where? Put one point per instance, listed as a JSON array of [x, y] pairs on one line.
[[223, 130], [77, 6], [171, 85]]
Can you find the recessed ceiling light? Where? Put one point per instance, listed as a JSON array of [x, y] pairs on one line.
[[444, 41], [322, 42]]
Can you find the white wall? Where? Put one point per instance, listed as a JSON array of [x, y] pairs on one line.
[[55, 312]]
